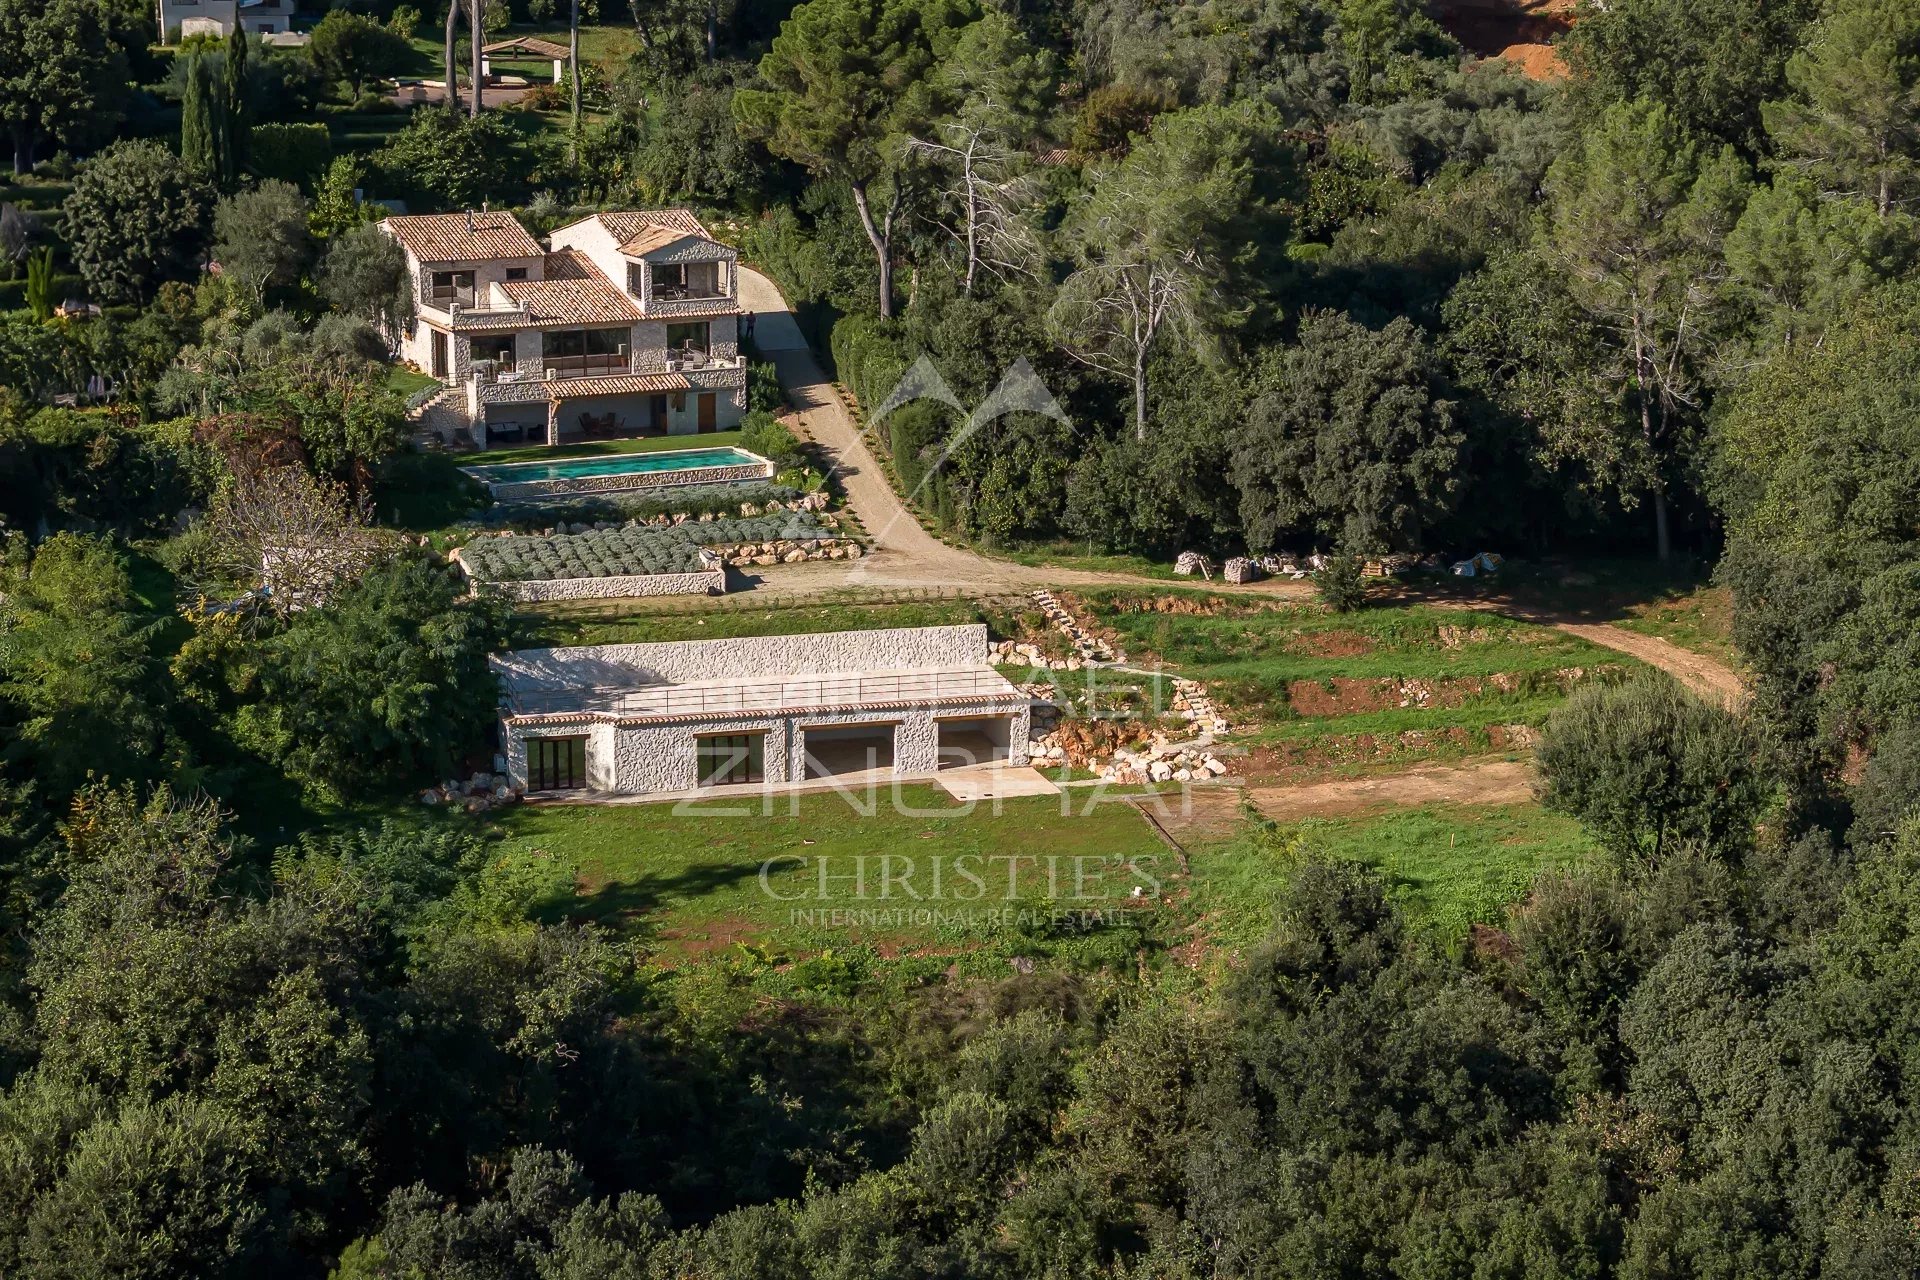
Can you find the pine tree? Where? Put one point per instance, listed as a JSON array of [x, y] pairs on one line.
[[1854, 125], [199, 122], [233, 150]]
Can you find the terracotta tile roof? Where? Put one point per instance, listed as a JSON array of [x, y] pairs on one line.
[[651, 238], [627, 223], [578, 294], [615, 384], [462, 237], [526, 44]]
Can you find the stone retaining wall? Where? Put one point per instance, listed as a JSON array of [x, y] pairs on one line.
[[703, 582], [504, 491]]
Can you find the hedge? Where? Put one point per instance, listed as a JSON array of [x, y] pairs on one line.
[[296, 153]]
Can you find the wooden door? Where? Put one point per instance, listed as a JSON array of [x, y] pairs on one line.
[[439, 354], [708, 412]]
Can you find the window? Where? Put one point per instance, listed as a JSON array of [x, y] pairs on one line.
[[497, 348], [729, 757], [556, 764], [516, 273], [452, 286], [688, 337], [561, 343]]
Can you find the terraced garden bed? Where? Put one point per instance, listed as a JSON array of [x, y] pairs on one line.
[[1308, 690], [632, 549]]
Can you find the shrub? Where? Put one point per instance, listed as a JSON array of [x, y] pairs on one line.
[[1341, 585], [1645, 764], [763, 388], [761, 433]]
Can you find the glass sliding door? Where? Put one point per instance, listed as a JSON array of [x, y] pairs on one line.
[[556, 764], [730, 758]]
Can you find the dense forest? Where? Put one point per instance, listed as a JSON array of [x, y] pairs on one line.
[[1304, 274]]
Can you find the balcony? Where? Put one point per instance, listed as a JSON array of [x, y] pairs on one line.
[[447, 297], [667, 292], [696, 361]]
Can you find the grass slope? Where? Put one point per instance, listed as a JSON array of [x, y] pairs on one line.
[[695, 881], [1449, 866]]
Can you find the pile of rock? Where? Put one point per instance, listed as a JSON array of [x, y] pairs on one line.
[[1164, 764], [1020, 653], [786, 552], [481, 791], [1090, 647]]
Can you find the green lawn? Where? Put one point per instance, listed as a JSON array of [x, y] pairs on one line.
[[1075, 556], [927, 874], [407, 381], [1448, 866]]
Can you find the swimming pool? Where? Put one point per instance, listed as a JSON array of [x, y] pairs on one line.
[[607, 473], [620, 464]]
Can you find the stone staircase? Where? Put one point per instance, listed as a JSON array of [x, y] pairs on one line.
[[439, 419]]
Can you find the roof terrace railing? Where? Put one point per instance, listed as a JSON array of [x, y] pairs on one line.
[[896, 688]]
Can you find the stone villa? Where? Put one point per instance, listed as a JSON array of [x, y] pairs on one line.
[[766, 711], [624, 324], [181, 18]]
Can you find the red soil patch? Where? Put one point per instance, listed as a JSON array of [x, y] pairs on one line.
[[1521, 32]]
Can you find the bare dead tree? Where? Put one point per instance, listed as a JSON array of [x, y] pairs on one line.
[[992, 198], [288, 539]]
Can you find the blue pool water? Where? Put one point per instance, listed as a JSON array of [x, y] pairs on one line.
[[624, 464]]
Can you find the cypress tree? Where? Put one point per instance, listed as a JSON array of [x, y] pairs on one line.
[[233, 151], [199, 122]]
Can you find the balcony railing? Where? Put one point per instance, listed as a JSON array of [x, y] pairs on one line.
[[445, 298], [587, 366], [540, 368], [687, 292], [906, 688]]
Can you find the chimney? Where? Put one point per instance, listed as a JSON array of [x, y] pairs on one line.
[[469, 219]]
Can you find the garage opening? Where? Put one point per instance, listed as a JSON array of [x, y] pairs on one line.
[[851, 748], [975, 740]]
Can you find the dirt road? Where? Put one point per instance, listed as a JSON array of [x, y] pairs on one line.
[[1491, 783]]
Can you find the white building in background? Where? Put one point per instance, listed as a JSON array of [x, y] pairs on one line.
[[181, 18], [625, 324], [764, 711]]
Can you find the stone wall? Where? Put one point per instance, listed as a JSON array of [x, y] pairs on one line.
[[704, 582], [690, 661]]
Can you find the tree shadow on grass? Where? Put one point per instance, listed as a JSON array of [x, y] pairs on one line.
[[626, 905]]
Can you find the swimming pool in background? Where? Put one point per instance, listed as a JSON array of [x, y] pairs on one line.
[[623, 464]]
